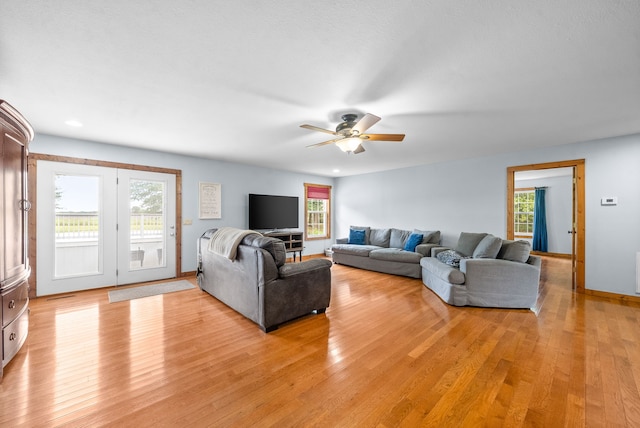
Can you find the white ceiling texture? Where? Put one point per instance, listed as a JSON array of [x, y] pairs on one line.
[[233, 80]]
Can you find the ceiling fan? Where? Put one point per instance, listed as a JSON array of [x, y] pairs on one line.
[[350, 133]]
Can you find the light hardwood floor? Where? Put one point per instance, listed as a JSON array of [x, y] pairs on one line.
[[387, 353]]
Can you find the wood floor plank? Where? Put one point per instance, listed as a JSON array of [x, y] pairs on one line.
[[388, 352]]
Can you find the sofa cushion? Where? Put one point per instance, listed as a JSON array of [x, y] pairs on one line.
[[425, 249], [380, 237], [429, 236], [516, 251], [395, 255], [412, 242], [274, 246], [447, 273], [451, 257], [398, 238], [356, 237], [488, 248], [293, 269], [468, 242], [355, 250]]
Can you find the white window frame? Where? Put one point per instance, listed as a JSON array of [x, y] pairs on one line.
[[517, 212]]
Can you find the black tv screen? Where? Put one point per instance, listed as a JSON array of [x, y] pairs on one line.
[[270, 212]]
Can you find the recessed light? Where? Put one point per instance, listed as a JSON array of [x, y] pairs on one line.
[[73, 122], [336, 170]]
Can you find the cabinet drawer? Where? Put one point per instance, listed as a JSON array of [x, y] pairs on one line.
[[14, 335], [13, 301]]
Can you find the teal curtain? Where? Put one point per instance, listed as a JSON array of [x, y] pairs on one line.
[[540, 221]]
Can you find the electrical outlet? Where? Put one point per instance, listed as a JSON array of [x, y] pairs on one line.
[[187, 222]]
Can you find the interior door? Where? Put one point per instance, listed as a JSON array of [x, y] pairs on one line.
[[573, 232], [146, 226]]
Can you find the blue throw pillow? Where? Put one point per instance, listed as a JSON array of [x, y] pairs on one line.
[[412, 242], [356, 237]]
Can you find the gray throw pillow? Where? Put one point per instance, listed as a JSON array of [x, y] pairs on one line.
[[468, 242], [488, 248], [398, 238], [429, 236], [516, 251], [380, 237]]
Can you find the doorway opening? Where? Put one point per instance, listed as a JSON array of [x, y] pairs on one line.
[[577, 229]]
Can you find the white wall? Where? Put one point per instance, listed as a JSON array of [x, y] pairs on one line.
[[464, 195], [558, 198], [237, 182], [470, 195]]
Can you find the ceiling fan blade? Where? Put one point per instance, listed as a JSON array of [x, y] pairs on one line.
[[315, 128], [365, 123], [324, 143], [383, 137], [359, 149]]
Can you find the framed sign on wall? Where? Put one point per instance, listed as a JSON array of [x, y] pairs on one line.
[[210, 201]]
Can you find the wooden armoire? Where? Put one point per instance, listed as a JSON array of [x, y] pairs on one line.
[[16, 133]]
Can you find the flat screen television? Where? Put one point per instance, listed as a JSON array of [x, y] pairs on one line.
[[271, 212]]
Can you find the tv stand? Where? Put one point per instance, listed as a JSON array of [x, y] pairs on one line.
[[293, 241]]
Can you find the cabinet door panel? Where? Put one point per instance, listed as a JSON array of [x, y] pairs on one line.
[[15, 205]]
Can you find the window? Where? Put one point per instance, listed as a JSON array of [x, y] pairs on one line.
[[523, 203], [317, 211]]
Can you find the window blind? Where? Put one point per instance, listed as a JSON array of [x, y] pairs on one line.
[[314, 192]]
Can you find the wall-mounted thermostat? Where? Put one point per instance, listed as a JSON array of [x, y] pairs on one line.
[[609, 200]]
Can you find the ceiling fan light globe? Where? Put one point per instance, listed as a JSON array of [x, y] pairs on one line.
[[348, 145]]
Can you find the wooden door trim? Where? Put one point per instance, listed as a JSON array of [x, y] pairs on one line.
[[579, 175], [32, 162]]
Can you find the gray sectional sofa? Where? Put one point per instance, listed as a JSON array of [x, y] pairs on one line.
[[386, 250], [484, 270]]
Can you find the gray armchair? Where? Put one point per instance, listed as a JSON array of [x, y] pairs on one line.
[[259, 285], [484, 270]]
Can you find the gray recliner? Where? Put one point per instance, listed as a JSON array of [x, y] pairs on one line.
[[259, 285]]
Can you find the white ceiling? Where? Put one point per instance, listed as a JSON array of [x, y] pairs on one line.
[[234, 80]]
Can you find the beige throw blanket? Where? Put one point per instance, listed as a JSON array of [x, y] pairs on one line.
[[225, 241]]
